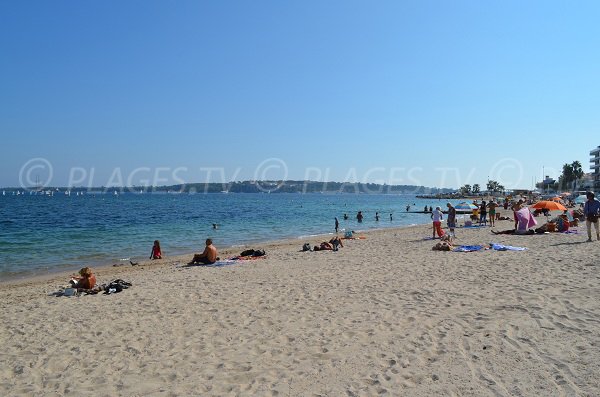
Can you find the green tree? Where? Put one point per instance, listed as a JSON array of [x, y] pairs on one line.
[[476, 188], [494, 186], [466, 190], [571, 173]]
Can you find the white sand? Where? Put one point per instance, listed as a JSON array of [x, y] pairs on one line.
[[383, 316]]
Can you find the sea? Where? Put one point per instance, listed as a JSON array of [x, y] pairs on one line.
[[41, 234]]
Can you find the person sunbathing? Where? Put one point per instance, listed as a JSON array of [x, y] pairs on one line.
[[336, 241], [514, 231], [85, 280], [208, 257]]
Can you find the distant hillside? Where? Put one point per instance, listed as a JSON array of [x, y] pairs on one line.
[[291, 186], [259, 187]]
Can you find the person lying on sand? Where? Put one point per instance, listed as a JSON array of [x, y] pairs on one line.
[[446, 244], [208, 257], [331, 245]]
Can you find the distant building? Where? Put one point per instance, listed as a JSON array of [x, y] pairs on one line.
[[595, 167]]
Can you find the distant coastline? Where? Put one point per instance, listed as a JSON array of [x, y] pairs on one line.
[[268, 186]]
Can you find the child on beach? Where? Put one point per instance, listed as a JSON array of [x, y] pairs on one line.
[[156, 252]]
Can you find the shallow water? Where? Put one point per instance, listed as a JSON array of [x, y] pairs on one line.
[[47, 233]]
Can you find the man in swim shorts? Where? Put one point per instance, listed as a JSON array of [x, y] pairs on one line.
[[208, 257]]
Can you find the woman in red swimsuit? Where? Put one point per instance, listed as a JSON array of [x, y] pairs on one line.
[[156, 252]]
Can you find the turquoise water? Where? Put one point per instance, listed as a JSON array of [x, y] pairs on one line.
[[40, 234]]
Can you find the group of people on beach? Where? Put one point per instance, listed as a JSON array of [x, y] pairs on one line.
[[207, 257], [359, 219], [523, 218]]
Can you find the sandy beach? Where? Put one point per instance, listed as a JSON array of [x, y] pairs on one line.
[[385, 315]]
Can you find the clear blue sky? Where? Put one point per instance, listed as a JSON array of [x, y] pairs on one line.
[[438, 93]]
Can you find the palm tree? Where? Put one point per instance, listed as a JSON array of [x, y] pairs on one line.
[[577, 172]]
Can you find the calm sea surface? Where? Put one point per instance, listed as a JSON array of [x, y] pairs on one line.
[[41, 234]]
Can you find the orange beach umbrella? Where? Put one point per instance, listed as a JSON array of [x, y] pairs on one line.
[[549, 205]]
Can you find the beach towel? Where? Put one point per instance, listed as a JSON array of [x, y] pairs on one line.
[[222, 263], [218, 263], [468, 248], [525, 219], [500, 247]]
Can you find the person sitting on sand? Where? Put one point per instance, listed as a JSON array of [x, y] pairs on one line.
[[562, 223], [85, 280], [208, 257], [336, 241], [156, 252], [524, 221]]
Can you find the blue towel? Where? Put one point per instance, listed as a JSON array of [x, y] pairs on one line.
[[500, 247], [468, 248]]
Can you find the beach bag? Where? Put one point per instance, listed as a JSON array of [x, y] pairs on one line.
[[259, 253], [249, 252], [348, 234], [306, 247]]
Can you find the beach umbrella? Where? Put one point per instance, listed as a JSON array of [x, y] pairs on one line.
[[549, 205], [465, 206], [581, 199], [556, 198]]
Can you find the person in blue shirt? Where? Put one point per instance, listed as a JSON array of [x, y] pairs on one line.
[[591, 210]]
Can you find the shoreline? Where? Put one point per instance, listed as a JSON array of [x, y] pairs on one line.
[[61, 270], [228, 251]]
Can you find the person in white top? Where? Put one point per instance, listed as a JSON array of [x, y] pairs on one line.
[[437, 215]]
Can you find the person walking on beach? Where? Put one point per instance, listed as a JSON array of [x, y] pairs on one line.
[[208, 257], [437, 217], [337, 224], [359, 217], [451, 221], [591, 210]]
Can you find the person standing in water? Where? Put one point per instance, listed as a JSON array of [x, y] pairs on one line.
[[359, 217], [337, 224], [377, 217]]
